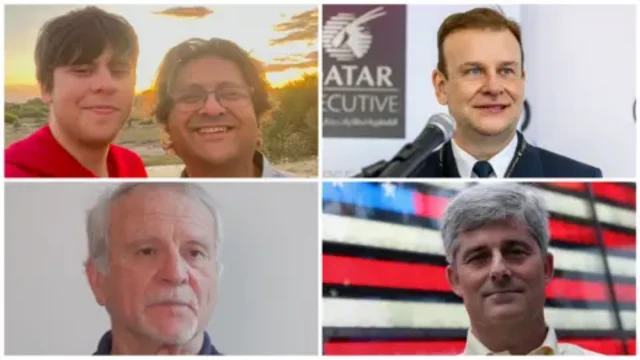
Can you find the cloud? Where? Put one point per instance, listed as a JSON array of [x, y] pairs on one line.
[[301, 27], [293, 61], [186, 12], [276, 67]]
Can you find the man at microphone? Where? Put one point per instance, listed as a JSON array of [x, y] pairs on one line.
[[496, 239], [480, 77]]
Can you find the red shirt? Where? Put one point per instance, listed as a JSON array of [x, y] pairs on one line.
[[40, 155]]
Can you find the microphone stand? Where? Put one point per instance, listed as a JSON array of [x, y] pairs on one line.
[[396, 167]]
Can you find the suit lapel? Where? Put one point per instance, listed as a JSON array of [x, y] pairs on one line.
[[449, 168], [529, 164]]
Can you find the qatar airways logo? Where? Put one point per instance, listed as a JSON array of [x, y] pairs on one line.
[[346, 37]]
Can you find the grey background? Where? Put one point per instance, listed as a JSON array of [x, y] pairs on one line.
[[268, 294]]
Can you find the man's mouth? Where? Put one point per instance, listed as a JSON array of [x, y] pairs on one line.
[[102, 109], [493, 108], [512, 291], [213, 130]]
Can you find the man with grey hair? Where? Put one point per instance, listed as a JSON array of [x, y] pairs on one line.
[[153, 264], [496, 241]]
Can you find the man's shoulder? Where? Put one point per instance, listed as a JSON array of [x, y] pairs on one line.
[[556, 165], [572, 349], [128, 161], [27, 157]]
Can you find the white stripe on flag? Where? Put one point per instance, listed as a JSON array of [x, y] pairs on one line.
[[577, 207], [405, 314], [348, 230], [567, 205]]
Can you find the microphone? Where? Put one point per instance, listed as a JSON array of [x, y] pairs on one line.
[[440, 128]]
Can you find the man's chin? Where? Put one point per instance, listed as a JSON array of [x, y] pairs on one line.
[[506, 313], [173, 336]]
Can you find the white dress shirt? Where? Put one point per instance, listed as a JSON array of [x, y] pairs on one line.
[[499, 162], [549, 346]]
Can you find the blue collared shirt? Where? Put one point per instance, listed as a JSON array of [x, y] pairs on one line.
[[104, 346]]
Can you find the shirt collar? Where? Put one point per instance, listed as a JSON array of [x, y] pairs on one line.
[[261, 161], [548, 347], [499, 162], [104, 346]]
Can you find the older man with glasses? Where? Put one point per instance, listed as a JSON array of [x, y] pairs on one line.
[[210, 97]]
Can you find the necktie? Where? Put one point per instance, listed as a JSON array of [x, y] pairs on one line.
[[483, 169]]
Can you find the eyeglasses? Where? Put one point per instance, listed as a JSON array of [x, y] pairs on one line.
[[229, 97]]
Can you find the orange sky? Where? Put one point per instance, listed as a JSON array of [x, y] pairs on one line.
[[160, 27]]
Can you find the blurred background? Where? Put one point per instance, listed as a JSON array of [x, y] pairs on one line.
[[572, 53], [282, 40], [383, 279]]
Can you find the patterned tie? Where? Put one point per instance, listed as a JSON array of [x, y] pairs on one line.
[[483, 169]]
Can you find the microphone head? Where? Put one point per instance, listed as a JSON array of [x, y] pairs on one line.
[[445, 123]]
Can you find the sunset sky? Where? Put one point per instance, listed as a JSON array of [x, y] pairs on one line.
[[283, 37]]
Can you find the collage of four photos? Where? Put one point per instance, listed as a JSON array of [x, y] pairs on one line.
[[320, 179]]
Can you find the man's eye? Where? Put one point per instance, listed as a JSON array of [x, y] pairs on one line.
[[473, 71], [196, 253], [81, 70], [190, 98], [146, 251], [507, 71]]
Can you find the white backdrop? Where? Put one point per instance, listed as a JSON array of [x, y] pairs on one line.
[[268, 293], [580, 63]]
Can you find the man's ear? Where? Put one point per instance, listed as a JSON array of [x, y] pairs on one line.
[[439, 81], [96, 281], [45, 95], [452, 277], [548, 267]]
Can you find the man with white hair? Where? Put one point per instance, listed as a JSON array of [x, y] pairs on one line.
[[153, 264], [496, 240]]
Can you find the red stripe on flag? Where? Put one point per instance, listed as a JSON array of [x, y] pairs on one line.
[[429, 206], [571, 186], [396, 275], [615, 192], [387, 274], [586, 235], [454, 347], [589, 290]]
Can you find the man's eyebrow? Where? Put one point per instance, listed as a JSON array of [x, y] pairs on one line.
[[472, 250]]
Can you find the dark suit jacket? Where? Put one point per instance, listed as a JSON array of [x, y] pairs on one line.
[[533, 163], [104, 346]]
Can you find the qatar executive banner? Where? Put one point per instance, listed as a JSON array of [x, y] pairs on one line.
[[363, 69]]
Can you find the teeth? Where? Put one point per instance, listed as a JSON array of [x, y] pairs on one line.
[[212, 130]]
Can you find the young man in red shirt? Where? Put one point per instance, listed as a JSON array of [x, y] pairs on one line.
[[86, 68]]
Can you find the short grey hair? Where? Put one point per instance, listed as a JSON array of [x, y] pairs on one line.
[[485, 204], [98, 221]]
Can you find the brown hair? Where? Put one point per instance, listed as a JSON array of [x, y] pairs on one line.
[[79, 37], [180, 55], [479, 18]]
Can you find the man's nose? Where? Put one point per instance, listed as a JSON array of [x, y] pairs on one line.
[[103, 80], [493, 85], [499, 271], [174, 269], [212, 107]]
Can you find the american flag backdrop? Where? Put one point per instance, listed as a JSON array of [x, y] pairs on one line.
[[383, 268]]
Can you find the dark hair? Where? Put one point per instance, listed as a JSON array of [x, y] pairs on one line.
[[180, 55], [79, 37], [479, 18]]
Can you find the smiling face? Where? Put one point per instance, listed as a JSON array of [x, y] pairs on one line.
[[500, 273], [484, 86], [90, 102], [215, 129]]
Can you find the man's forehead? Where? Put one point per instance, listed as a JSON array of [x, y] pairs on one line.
[[495, 234], [473, 45], [160, 201], [208, 72]]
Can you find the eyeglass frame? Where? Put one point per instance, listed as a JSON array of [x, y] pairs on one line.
[[206, 94]]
